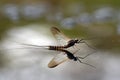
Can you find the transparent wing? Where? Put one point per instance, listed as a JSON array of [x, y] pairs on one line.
[[58, 59], [63, 40]]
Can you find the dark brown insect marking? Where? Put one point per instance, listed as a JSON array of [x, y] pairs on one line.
[[56, 48], [61, 48], [55, 29], [70, 55], [71, 43]]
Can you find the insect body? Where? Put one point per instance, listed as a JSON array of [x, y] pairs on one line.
[[65, 43], [64, 54]]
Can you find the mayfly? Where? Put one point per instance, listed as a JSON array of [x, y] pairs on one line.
[[64, 54]]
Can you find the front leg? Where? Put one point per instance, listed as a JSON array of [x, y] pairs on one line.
[[84, 62]]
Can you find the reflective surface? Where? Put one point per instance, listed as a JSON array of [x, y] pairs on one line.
[[29, 22]]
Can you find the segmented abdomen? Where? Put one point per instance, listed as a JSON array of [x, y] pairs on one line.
[[57, 48]]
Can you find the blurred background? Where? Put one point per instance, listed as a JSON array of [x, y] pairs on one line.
[[29, 21]]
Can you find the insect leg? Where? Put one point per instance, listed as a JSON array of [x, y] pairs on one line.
[[86, 55], [85, 63], [82, 41]]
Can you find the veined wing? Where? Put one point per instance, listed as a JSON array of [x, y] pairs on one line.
[[63, 40], [58, 59]]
